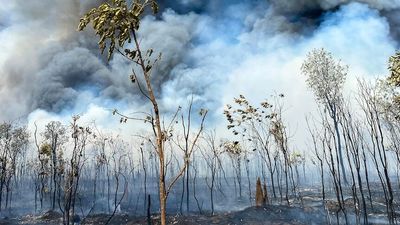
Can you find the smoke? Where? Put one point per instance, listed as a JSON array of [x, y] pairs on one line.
[[212, 50], [35, 34], [304, 5]]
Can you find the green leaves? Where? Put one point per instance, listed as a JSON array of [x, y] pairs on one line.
[[114, 22], [154, 7], [233, 148], [148, 68], [45, 149], [325, 75], [394, 68], [202, 112], [130, 54], [392, 84]]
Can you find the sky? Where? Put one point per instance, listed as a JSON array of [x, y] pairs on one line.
[[212, 50]]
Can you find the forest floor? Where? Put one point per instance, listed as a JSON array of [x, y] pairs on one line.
[[309, 211], [269, 215]]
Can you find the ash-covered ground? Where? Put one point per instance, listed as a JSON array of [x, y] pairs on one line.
[[267, 215], [307, 209]]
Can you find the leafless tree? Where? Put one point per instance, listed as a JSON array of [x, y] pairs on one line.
[[72, 169], [13, 142], [369, 101], [55, 136], [211, 153], [188, 145]]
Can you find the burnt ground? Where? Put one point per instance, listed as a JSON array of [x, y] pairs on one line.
[[269, 215], [309, 209]]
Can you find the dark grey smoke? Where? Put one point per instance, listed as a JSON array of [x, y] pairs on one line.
[[393, 17], [309, 13], [44, 67], [304, 5], [50, 66]]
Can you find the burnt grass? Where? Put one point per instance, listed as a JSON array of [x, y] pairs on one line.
[[310, 210], [268, 215]]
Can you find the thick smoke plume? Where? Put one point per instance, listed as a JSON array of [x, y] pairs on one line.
[[211, 49]]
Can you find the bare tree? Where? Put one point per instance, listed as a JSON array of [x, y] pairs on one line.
[[188, 145], [43, 172], [211, 154], [55, 136], [118, 158], [370, 104], [279, 133], [73, 168], [353, 138], [332, 162], [235, 153], [318, 154], [13, 142]]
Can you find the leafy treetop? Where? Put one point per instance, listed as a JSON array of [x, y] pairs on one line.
[[116, 20], [394, 68], [325, 75]]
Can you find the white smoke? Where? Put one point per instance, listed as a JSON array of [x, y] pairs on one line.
[[220, 50]]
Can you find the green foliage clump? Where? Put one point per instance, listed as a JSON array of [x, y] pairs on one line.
[[325, 75], [391, 84], [114, 21], [394, 68], [45, 149]]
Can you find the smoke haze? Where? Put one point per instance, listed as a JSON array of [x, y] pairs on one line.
[[214, 50]]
